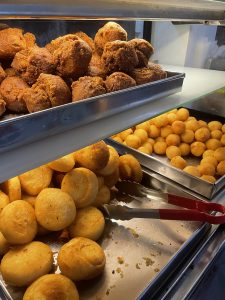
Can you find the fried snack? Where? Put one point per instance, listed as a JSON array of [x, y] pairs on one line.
[[213, 144], [172, 117], [4, 200], [2, 74], [221, 168], [22, 265], [178, 162], [202, 134], [30, 39], [82, 185], [208, 153], [173, 140], [148, 74], [109, 181], [87, 261], [144, 150], [86, 38], [144, 51], [215, 125], [206, 169], [4, 245], [223, 128], [18, 222], [119, 56], [192, 170], [129, 168], [96, 67], [125, 133], [11, 90], [133, 141], [223, 140], [117, 139], [30, 199], [202, 124], [113, 162], [31, 62], [197, 148], [63, 164], [143, 125], [208, 178], [185, 149], [147, 145], [11, 72], [49, 91], [172, 151], [89, 223], [211, 160], [71, 55], [161, 121], [12, 187], [160, 147], [182, 114], [219, 154], [93, 157], [34, 181], [52, 287], [118, 81], [188, 136], [111, 31], [103, 196], [178, 127], [154, 131], [54, 209], [165, 131], [216, 134], [87, 87], [192, 125]]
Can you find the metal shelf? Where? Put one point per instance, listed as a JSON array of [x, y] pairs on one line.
[[206, 10]]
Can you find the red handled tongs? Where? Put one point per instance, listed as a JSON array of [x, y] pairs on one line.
[[193, 210]]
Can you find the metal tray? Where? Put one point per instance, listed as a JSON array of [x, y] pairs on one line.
[[150, 250]]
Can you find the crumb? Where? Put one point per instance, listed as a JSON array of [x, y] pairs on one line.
[[113, 271], [108, 236], [118, 270], [156, 270], [160, 243], [120, 260], [107, 292], [137, 266], [126, 265], [148, 261], [133, 232], [170, 244], [153, 254], [116, 242], [112, 286]]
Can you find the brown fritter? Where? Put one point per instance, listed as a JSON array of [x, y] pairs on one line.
[[86, 38], [119, 56], [2, 107], [30, 39], [71, 55], [110, 32], [2, 74], [148, 74], [96, 67], [48, 91], [87, 87], [11, 72], [118, 81], [31, 62], [12, 89], [143, 49]]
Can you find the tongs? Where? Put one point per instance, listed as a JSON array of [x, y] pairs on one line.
[[193, 210]]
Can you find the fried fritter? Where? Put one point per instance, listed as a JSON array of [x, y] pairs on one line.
[[2, 74], [143, 49], [96, 67], [148, 74], [118, 81], [86, 38]]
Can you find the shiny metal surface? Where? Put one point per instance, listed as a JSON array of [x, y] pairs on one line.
[[117, 9]]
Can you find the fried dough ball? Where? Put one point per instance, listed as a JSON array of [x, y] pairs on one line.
[[206, 169], [142, 134], [161, 121], [211, 160], [125, 133], [144, 150], [133, 141], [151, 141], [117, 139], [96, 67], [172, 117], [148, 74], [202, 124], [34, 181], [154, 131], [22, 265], [173, 140], [30, 39], [213, 144], [219, 154], [54, 209], [11, 90], [192, 170], [111, 31], [51, 287], [192, 125], [82, 185], [31, 62], [208, 178], [4, 245], [118, 81], [49, 91], [103, 196], [223, 128], [87, 87], [165, 131], [178, 162], [202, 134], [178, 127], [87, 261], [143, 49], [185, 149], [2, 74], [119, 56], [82, 35], [30, 199], [89, 223], [63, 164], [109, 181], [129, 168], [182, 114], [148, 146], [216, 134], [215, 125], [223, 140], [160, 148], [188, 136], [143, 125], [197, 148], [11, 72], [12, 187], [191, 118], [208, 153], [172, 151], [4, 200], [221, 168], [18, 222], [113, 162]]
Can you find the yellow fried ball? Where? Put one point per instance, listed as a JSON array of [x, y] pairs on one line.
[[178, 127], [192, 170], [173, 140], [202, 123], [160, 148], [223, 128], [202, 134], [154, 131], [174, 110], [182, 114], [221, 168], [143, 150], [161, 121], [185, 149], [216, 134], [151, 141], [143, 125], [192, 125], [148, 146], [219, 154], [125, 133], [208, 153], [172, 117], [178, 162], [211, 160], [214, 125], [165, 131], [191, 118], [172, 151], [222, 140], [208, 178], [188, 136], [117, 139], [197, 148], [213, 144], [142, 134], [206, 169], [133, 141]]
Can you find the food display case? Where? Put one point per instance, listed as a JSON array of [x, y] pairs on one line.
[[145, 259]]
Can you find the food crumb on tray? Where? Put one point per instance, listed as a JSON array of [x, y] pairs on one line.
[[133, 232], [148, 261], [120, 260]]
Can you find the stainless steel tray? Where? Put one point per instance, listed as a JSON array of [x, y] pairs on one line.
[[150, 250]]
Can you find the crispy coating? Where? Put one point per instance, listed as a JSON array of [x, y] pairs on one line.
[[31, 62], [111, 31], [148, 74], [48, 91], [144, 51], [2, 74], [118, 81], [87, 87], [96, 67], [119, 56], [86, 38], [12, 89], [11, 72], [30, 39]]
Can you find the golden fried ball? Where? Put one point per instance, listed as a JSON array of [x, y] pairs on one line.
[[151, 141], [63, 164], [178, 127], [154, 131], [223, 128], [117, 139], [202, 134], [216, 134], [222, 140], [182, 114], [185, 149], [12, 187], [214, 125], [208, 178], [192, 125], [112, 164], [161, 121], [143, 150], [197, 148], [4, 244], [221, 168], [143, 125], [191, 118], [219, 154], [133, 141], [4, 200], [160, 139], [109, 181], [172, 151], [160, 148], [87, 260], [103, 196], [208, 153], [192, 170], [207, 169], [172, 117], [178, 162], [202, 123], [173, 140], [211, 160], [188, 136], [148, 146], [165, 131], [213, 144], [130, 168], [142, 134], [125, 133]]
